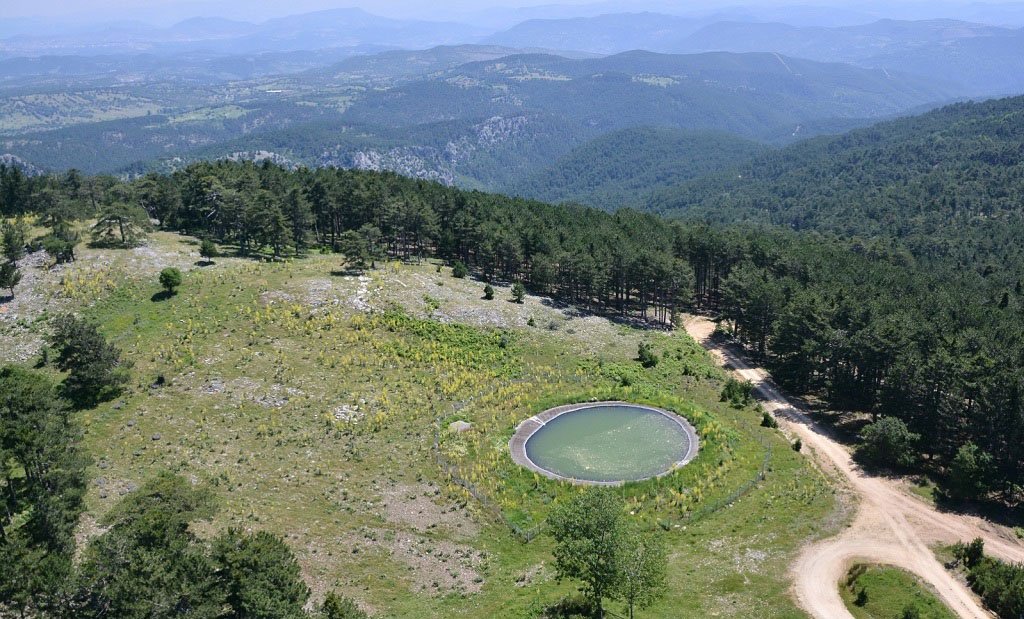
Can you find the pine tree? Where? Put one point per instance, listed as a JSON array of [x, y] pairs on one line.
[[10, 276]]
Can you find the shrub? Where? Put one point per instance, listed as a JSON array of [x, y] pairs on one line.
[[911, 611], [862, 598], [95, 369], [518, 292], [14, 239], [10, 276], [767, 421], [170, 279], [459, 270], [60, 244], [738, 393], [798, 445], [339, 607], [571, 607], [969, 554], [1000, 585], [969, 472], [646, 356], [208, 249], [888, 442], [489, 292]]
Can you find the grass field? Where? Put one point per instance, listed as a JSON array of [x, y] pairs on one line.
[[53, 110], [889, 593], [312, 403]]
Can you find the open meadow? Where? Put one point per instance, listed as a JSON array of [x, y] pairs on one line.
[[318, 405]]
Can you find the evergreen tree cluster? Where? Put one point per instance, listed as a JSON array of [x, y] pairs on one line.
[[935, 355], [866, 323], [147, 563], [999, 584]]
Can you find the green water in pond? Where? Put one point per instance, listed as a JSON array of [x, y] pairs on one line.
[[608, 443]]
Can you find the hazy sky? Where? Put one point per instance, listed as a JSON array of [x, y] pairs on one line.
[[165, 12], [251, 9]]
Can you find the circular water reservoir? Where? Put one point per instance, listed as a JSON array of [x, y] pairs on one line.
[[604, 442]]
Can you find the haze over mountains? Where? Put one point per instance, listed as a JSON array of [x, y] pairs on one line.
[[497, 99]]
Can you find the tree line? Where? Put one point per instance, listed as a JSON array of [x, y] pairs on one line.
[[624, 263], [865, 324]]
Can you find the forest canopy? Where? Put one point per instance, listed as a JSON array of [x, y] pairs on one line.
[[866, 323]]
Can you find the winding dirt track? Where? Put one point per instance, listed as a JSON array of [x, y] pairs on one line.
[[891, 526]]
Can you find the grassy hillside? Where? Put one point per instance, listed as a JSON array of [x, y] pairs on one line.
[[314, 411], [617, 169]]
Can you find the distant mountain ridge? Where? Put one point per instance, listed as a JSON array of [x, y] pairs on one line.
[[604, 34], [321, 29], [404, 64], [488, 123], [979, 59]]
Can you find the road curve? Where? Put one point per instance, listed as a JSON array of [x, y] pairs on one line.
[[891, 526]]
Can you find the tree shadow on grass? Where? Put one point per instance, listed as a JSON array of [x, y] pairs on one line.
[[348, 272], [571, 310], [205, 263], [161, 296]]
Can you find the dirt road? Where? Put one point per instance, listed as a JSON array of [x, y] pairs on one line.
[[891, 526]]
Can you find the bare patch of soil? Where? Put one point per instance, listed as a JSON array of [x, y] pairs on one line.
[[439, 567], [417, 507]]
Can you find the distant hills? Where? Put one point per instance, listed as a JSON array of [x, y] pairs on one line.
[[603, 123], [616, 33], [399, 65], [605, 34], [484, 124], [977, 59], [841, 44], [309, 31], [621, 168], [928, 179], [760, 96]]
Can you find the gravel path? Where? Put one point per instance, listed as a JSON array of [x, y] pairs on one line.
[[891, 527]]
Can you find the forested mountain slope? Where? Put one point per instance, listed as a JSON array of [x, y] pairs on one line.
[[617, 169], [863, 324], [491, 124], [388, 67], [486, 124], [753, 95], [944, 181]]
